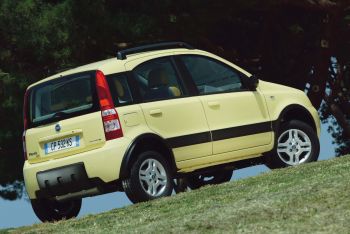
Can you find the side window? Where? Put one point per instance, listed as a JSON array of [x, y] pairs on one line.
[[211, 76], [158, 80], [119, 89]]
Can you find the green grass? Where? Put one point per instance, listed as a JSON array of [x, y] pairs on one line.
[[306, 199]]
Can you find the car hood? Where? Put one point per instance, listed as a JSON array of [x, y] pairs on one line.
[[283, 92], [268, 86]]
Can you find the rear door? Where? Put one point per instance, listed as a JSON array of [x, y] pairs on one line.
[[64, 118], [169, 110]]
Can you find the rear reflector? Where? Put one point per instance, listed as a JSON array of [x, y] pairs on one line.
[[24, 146], [25, 110], [109, 114]]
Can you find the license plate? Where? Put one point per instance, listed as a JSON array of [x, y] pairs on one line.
[[62, 144]]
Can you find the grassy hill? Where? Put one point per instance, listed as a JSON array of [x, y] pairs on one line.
[[310, 198]]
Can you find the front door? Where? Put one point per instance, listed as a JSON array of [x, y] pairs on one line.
[[237, 117]]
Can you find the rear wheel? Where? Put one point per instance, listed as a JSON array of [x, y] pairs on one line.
[[218, 177], [49, 211], [296, 143], [150, 178]]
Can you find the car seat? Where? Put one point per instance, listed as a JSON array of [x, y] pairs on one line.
[[158, 86]]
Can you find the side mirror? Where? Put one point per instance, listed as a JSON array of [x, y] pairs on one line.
[[252, 82]]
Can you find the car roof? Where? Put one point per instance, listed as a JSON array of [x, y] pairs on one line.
[[109, 66], [115, 65]]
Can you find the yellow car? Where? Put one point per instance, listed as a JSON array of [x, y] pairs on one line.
[[151, 117]]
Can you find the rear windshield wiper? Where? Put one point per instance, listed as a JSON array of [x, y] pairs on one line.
[[59, 114]]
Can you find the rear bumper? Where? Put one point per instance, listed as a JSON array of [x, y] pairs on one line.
[[53, 179], [66, 182]]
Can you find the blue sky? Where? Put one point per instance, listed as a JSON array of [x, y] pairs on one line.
[[19, 213]]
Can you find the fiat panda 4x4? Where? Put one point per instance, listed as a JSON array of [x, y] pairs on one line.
[[155, 118]]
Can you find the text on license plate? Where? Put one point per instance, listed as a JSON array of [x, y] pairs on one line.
[[62, 144]]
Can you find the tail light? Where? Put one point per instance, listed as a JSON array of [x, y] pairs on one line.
[[109, 114], [25, 123]]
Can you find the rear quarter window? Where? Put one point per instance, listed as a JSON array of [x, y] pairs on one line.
[[120, 89]]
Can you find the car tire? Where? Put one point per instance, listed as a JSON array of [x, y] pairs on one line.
[[150, 178], [218, 177], [49, 211], [296, 143]]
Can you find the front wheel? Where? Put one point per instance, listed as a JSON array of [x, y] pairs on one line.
[[49, 211], [150, 178], [296, 143]]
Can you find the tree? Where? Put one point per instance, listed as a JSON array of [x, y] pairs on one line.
[[331, 84], [301, 43], [296, 43], [33, 39]]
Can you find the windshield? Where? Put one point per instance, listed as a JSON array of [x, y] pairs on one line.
[[61, 98]]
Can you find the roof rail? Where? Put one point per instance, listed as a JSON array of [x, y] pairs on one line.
[[121, 55]]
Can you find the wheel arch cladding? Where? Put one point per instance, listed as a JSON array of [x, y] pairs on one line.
[[295, 112], [144, 142]]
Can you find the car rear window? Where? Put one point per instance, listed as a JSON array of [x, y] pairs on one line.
[[62, 98]]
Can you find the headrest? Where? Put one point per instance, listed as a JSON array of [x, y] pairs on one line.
[[119, 88], [175, 91], [157, 77]]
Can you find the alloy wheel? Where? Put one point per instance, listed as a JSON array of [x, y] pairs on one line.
[[153, 177], [294, 147]]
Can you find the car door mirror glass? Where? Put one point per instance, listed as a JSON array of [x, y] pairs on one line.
[[252, 82]]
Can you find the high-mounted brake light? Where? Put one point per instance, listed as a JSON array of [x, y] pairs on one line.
[[109, 114], [25, 123]]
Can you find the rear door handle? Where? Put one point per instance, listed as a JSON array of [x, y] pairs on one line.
[[213, 104], [156, 112]]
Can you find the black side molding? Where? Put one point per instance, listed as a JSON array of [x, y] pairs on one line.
[[192, 139], [240, 131]]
